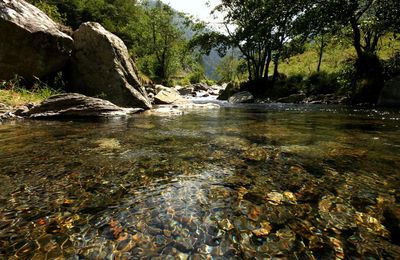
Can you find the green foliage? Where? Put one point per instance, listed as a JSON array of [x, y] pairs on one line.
[[50, 9], [14, 92], [321, 83], [231, 69], [392, 66], [152, 31], [197, 75]]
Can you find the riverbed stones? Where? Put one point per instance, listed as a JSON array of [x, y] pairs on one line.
[[77, 105], [101, 67], [256, 154], [31, 44]]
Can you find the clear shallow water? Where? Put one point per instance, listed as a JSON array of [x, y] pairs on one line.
[[252, 181]]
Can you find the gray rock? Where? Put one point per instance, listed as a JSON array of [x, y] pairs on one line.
[[158, 88], [22, 110], [200, 87], [390, 95], [241, 97], [295, 98], [184, 91], [229, 91], [101, 66], [77, 105], [167, 96], [4, 108], [31, 44]]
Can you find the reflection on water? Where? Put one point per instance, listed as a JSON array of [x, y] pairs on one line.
[[279, 181]]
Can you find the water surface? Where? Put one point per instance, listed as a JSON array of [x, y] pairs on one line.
[[255, 181]]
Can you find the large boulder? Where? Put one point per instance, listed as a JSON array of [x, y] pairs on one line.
[[101, 66], [168, 96], [77, 105], [241, 97], [31, 44], [229, 91], [158, 88], [390, 95]]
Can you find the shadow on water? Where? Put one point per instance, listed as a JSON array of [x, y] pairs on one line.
[[247, 181]]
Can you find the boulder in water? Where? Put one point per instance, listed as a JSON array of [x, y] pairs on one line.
[[241, 97], [229, 91], [31, 44], [77, 105], [101, 66], [167, 96]]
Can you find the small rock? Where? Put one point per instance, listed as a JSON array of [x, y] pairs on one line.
[[226, 225], [275, 198], [290, 197], [200, 87], [264, 230]]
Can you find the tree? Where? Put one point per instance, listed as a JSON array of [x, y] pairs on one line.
[[368, 20], [231, 68], [261, 29]]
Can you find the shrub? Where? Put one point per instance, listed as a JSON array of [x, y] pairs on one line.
[[321, 83], [391, 67]]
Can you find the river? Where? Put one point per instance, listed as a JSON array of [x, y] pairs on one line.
[[244, 181]]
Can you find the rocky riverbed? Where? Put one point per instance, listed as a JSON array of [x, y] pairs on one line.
[[249, 181]]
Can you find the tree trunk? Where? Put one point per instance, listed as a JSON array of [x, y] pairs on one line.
[[276, 72], [356, 37], [267, 63], [321, 53], [249, 69]]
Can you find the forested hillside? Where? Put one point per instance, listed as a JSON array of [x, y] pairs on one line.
[[354, 41], [154, 33]]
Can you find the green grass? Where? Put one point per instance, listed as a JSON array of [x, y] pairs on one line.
[[20, 96], [335, 55]]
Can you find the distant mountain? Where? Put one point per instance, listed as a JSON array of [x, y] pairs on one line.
[[211, 61]]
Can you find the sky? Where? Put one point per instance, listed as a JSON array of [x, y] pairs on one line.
[[197, 8]]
